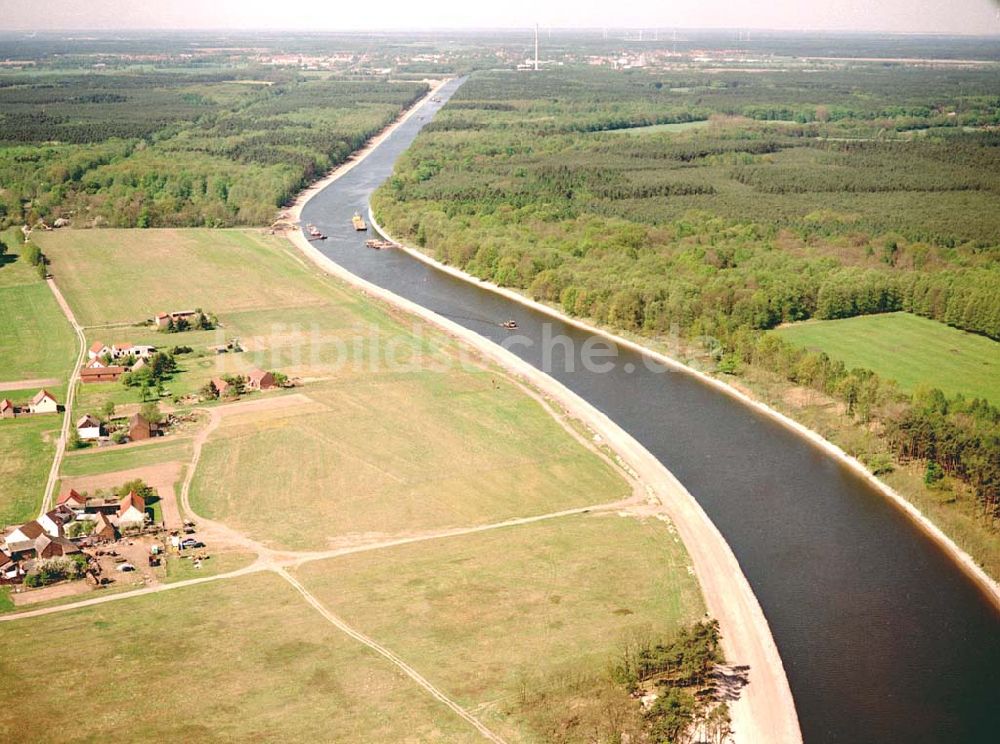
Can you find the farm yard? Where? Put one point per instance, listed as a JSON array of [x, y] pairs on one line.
[[911, 350]]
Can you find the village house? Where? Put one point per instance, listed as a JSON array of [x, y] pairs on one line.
[[139, 428], [43, 402], [47, 546], [88, 427], [138, 351], [98, 350], [220, 385], [131, 509], [258, 379], [6, 408], [103, 530], [163, 319], [72, 500], [26, 533], [54, 522], [100, 373]]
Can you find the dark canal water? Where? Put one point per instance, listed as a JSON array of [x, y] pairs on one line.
[[883, 638]]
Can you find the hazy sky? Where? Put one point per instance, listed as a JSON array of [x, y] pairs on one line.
[[935, 16]]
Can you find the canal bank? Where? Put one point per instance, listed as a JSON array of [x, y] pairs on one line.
[[882, 637]]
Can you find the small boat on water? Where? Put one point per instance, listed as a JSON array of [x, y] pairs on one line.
[[379, 244], [314, 233], [359, 224], [509, 324]]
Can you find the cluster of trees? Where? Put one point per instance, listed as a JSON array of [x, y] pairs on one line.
[[679, 670], [150, 377], [50, 570], [155, 149]]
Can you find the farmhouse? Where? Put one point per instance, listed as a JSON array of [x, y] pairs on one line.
[[6, 408], [47, 546], [258, 379], [55, 521], [163, 319], [26, 533], [98, 350], [139, 351], [43, 402], [72, 500], [101, 374], [139, 428], [103, 530], [220, 385], [131, 509], [88, 427]]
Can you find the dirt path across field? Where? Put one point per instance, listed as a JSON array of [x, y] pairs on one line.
[[35, 384], [50, 484]]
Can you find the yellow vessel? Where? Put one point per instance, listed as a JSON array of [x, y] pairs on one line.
[[359, 224]]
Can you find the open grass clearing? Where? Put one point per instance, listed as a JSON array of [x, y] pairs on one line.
[[36, 340], [94, 461], [405, 454], [235, 660], [681, 126], [908, 349], [111, 276], [496, 617], [27, 446]]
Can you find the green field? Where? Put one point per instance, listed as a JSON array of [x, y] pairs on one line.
[[238, 660], [908, 349], [496, 618], [26, 451], [142, 272], [111, 459], [36, 340], [389, 454]]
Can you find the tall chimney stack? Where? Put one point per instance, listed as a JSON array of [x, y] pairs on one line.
[[536, 47]]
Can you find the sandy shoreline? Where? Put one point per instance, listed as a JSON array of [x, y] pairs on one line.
[[765, 711], [986, 583]]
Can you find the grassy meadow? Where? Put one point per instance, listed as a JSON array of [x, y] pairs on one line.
[[239, 660], [908, 349], [27, 445], [390, 454], [36, 340], [142, 272], [495, 618]]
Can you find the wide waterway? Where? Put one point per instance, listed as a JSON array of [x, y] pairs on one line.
[[883, 638]]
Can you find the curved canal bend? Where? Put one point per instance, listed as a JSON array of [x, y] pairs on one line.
[[883, 638]]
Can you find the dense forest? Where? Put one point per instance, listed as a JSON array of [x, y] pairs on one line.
[[145, 149], [718, 206]]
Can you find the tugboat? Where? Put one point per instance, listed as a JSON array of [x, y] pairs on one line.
[[359, 224], [509, 324]]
